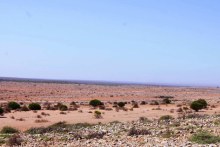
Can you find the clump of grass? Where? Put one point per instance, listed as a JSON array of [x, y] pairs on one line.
[[204, 137], [166, 117], [98, 114], [9, 130]]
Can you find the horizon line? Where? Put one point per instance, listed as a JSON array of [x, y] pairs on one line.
[[96, 82]]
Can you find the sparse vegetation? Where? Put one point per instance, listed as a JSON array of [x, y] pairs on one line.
[[60, 127], [204, 137]]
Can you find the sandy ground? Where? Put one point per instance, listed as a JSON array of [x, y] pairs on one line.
[[84, 117], [21, 91]]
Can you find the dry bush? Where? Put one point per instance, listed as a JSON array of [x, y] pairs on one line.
[[41, 121], [20, 119]]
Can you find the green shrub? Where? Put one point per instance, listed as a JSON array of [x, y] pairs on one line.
[[13, 105], [34, 106], [1, 111], [204, 137], [9, 130], [121, 104], [63, 108], [203, 102], [95, 103], [195, 105]]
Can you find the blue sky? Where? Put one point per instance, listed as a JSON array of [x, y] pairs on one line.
[[148, 41]]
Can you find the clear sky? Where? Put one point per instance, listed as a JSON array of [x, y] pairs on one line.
[[148, 41]]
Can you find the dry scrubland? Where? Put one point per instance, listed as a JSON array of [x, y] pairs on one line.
[[147, 116]]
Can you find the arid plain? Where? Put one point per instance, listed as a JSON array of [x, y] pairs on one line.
[[26, 92]]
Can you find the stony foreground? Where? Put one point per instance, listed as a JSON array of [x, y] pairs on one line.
[[143, 133]]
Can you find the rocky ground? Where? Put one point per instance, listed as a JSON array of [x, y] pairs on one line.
[[142, 133]]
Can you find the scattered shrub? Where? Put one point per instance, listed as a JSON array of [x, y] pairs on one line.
[[9, 130], [34, 106], [95, 103], [121, 104], [204, 137], [13, 105]]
